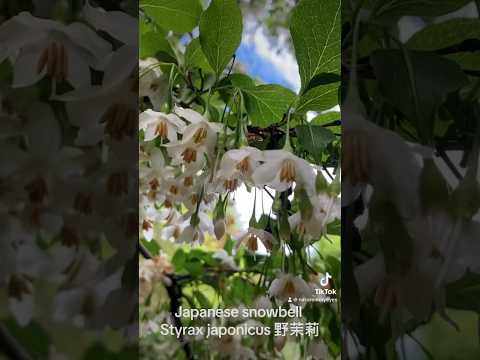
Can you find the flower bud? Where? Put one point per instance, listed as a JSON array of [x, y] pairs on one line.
[[219, 228]]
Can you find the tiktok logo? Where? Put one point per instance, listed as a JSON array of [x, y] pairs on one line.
[[325, 280]]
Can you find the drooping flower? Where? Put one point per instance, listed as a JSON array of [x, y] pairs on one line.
[[110, 108], [199, 139], [325, 209], [253, 236], [287, 287], [151, 271], [281, 169], [157, 124], [120, 25], [238, 165], [152, 82], [39, 47]]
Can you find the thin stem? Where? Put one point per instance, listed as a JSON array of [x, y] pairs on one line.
[[446, 159], [10, 347], [288, 146]]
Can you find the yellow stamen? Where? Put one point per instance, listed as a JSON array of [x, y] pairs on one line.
[[188, 181], [244, 166], [289, 288], [162, 130], [200, 135], [230, 185], [189, 155], [287, 171], [252, 243]]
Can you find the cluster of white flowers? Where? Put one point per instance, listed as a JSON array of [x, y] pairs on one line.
[[68, 183], [185, 178], [181, 168]]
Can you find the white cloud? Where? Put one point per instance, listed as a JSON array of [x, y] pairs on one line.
[[278, 54]]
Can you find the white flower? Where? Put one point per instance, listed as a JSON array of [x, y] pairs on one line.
[[238, 164], [381, 158], [232, 347], [157, 124], [318, 350], [199, 139], [43, 166], [326, 209], [253, 236], [152, 82], [21, 299], [120, 25], [227, 261], [111, 107], [151, 271], [263, 302], [288, 286], [39, 46], [196, 234], [281, 169]]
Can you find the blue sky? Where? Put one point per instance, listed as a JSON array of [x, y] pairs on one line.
[[260, 67], [268, 59]]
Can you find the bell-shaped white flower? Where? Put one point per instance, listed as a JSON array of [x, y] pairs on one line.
[[238, 165], [325, 209], [153, 83], [157, 124], [199, 139], [281, 169], [120, 25], [287, 286], [253, 237], [111, 107], [39, 46]]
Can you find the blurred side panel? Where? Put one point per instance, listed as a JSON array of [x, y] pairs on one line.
[[410, 187], [68, 179]]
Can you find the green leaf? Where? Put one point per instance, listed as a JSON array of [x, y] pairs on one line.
[[195, 58], [430, 88], [327, 118], [466, 60], [242, 81], [389, 9], [153, 43], [315, 29], [314, 139], [180, 16], [242, 291], [179, 260], [152, 246], [202, 299], [194, 267], [266, 104], [463, 294], [319, 98], [32, 337], [220, 33], [99, 351], [446, 34], [304, 203]]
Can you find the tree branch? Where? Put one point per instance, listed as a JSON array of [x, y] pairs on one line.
[[10, 347], [175, 294]]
